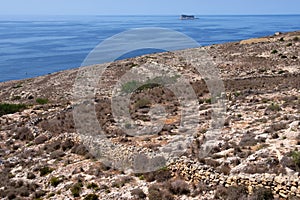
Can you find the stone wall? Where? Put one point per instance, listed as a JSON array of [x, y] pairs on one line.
[[282, 185]]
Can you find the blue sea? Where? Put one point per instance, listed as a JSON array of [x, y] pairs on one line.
[[37, 45]]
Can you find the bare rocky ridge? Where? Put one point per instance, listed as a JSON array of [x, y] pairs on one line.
[[257, 156]]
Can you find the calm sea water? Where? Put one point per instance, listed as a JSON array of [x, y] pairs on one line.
[[36, 45]]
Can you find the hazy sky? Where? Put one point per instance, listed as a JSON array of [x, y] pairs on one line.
[[147, 7]]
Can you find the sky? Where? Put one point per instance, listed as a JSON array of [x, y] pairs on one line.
[[147, 7]]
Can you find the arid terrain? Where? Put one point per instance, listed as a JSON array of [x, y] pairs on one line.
[[257, 154]]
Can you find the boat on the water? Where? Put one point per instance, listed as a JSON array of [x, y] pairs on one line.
[[187, 17]]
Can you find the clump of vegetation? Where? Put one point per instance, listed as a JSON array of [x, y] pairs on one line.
[[274, 107], [289, 44], [120, 182], [130, 86], [6, 108], [262, 193], [76, 189], [179, 187], [138, 193], [156, 192], [296, 157], [15, 98], [42, 101], [274, 51], [45, 170], [160, 175], [93, 186], [296, 39], [134, 85], [231, 193], [91, 197], [55, 181], [281, 39], [50, 195], [142, 103], [208, 101]]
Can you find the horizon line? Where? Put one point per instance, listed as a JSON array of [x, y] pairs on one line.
[[149, 14]]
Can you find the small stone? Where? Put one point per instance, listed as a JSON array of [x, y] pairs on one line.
[[40, 139], [250, 189], [293, 189], [282, 195]]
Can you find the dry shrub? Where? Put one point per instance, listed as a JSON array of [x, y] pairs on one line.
[[158, 192], [262, 194], [231, 193], [179, 187]]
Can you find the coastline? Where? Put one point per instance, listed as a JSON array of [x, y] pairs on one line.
[[255, 155]]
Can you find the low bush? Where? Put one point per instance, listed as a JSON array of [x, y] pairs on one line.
[[138, 193], [76, 189], [91, 197], [274, 107], [262, 194], [93, 186], [274, 51], [160, 175], [142, 103], [42, 101], [156, 192], [120, 182], [179, 187], [231, 193], [55, 181], [6, 108], [296, 158], [130, 86], [45, 170]]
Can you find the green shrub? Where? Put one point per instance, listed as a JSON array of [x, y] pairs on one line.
[[274, 107], [296, 39], [289, 44], [91, 197], [208, 101], [93, 186], [274, 51], [76, 189], [45, 170], [6, 108], [296, 157], [281, 39], [55, 181], [42, 101], [129, 86]]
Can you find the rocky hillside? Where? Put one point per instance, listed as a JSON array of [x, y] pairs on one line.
[[255, 156]]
